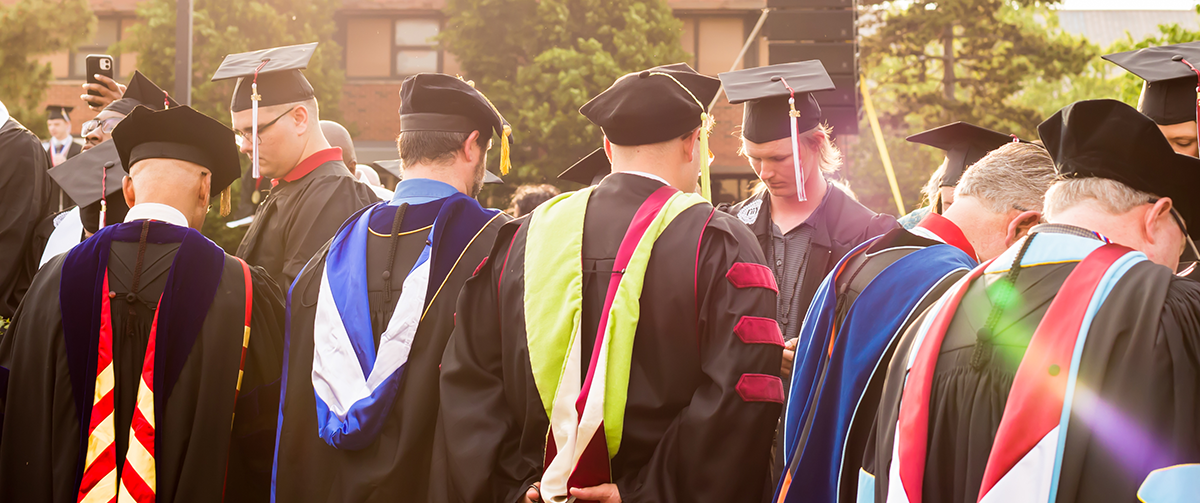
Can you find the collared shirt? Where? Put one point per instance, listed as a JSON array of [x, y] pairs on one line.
[[421, 190], [308, 165], [644, 174], [1072, 230], [939, 228], [156, 211], [788, 257]]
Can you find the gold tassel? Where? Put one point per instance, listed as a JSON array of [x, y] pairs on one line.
[[226, 201], [705, 177], [505, 162]]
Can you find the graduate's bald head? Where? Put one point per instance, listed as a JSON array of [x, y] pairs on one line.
[[180, 184]]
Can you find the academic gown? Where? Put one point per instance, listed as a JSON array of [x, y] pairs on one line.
[[842, 225], [1139, 366], [396, 465], [298, 217], [690, 434], [27, 190], [197, 456], [848, 338]]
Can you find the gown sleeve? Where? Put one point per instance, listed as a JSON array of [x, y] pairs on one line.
[[39, 433], [253, 444], [323, 207], [719, 447], [26, 187], [476, 427]]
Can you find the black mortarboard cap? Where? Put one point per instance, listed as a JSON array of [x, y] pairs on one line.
[[179, 133], [1109, 139], [1169, 92], [80, 177], [964, 145], [589, 170], [765, 91], [59, 112], [439, 102], [141, 91], [392, 167], [652, 106], [277, 72]]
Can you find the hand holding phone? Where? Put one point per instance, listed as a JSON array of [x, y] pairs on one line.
[[101, 88]]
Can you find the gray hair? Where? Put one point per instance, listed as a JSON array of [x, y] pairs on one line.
[[1015, 176], [1113, 197]]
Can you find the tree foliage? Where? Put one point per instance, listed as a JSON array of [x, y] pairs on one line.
[[540, 60], [1000, 64], [33, 28], [222, 27]]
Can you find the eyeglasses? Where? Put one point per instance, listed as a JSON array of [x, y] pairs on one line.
[[1185, 268], [244, 136], [94, 124]]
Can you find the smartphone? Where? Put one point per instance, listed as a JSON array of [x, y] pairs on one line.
[[101, 64]]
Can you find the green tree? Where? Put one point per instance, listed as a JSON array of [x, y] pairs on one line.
[[222, 27], [540, 60], [32, 28], [1129, 85], [1000, 64]]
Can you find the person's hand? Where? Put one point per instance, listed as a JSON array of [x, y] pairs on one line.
[[532, 495], [603, 493], [789, 356], [109, 89]]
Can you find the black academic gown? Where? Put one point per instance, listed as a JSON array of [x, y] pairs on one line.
[[688, 435], [843, 224], [198, 456], [396, 466], [297, 218], [1142, 358], [27, 190]]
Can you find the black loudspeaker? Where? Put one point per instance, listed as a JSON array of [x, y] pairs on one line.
[[802, 30]]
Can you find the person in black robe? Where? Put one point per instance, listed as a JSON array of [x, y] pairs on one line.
[[803, 222], [79, 188], [1102, 409], [432, 222], [28, 199], [703, 392], [275, 116], [864, 306], [162, 316]]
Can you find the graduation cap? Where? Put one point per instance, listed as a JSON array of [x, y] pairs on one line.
[[964, 143], [91, 179], [276, 73], [1170, 87], [779, 103], [656, 105], [59, 112], [392, 167], [141, 91], [589, 170], [439, 102], [185, 134], [1109, 139]]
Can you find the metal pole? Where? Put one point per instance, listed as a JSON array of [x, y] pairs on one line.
[[745, 47], [883, 152], [183, 51]]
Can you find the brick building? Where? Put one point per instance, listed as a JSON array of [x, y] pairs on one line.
[[387, 40]]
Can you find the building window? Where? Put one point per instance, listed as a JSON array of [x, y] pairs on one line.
[[386, 47], [733, 188], [714, 41], [414, 50], [108, 32]]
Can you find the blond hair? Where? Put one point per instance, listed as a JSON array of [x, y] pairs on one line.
[[815, 142]]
